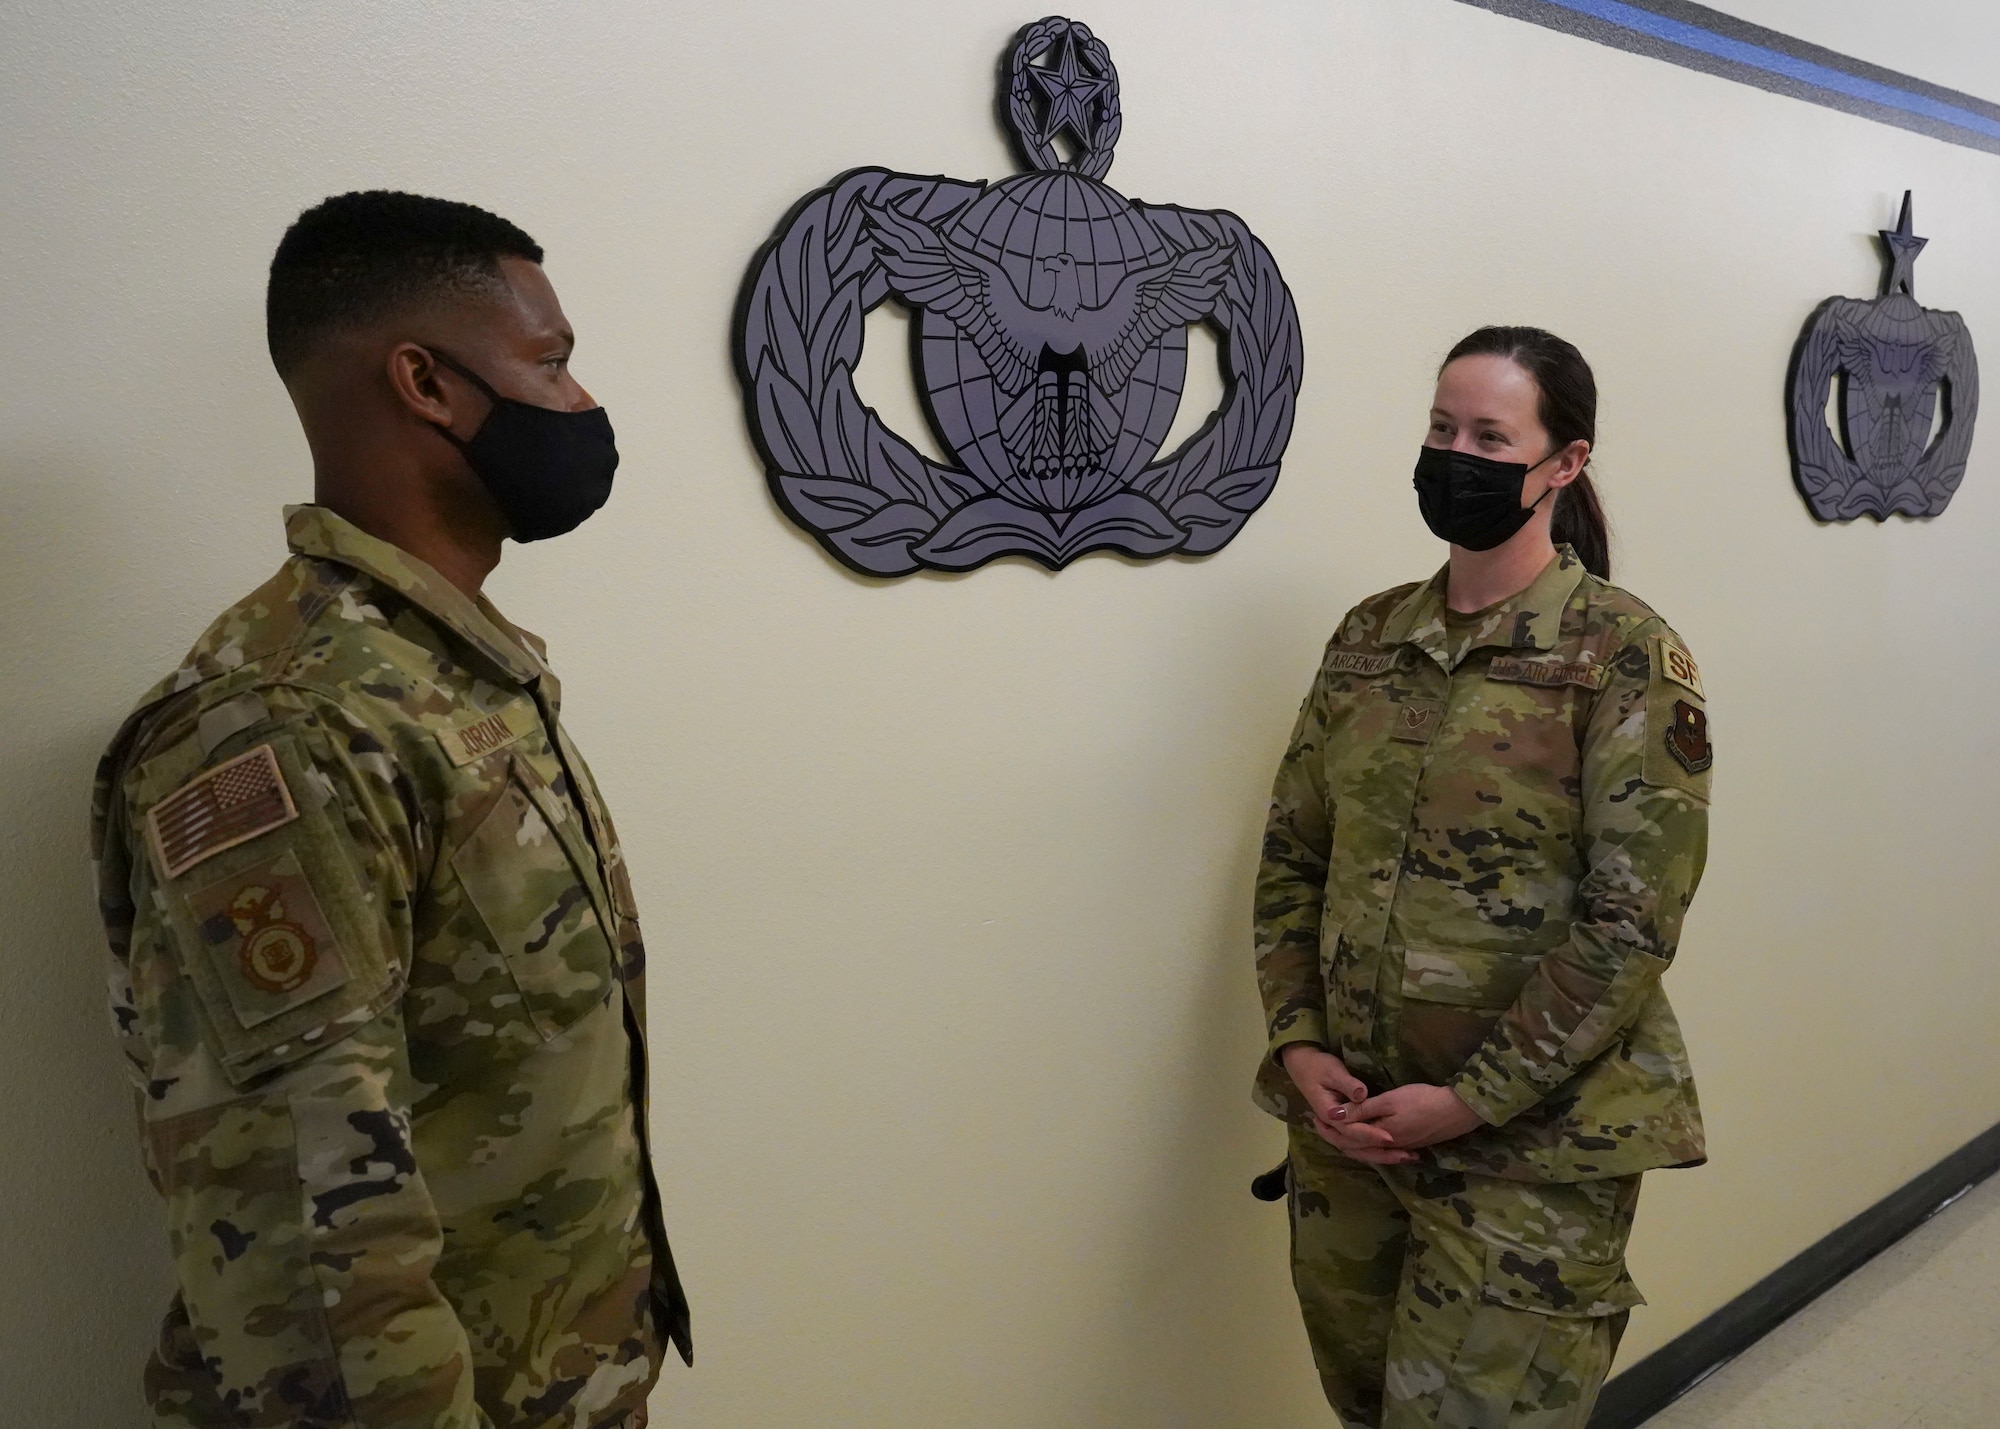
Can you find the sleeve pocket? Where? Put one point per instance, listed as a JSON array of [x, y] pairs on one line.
[[286, 943]]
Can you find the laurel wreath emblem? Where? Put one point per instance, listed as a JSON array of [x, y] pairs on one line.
[[1052, 371], [881, 506], [1095, 161]]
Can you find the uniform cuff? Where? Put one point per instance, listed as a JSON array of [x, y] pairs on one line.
[[1498, 1100], [1306, 1027]]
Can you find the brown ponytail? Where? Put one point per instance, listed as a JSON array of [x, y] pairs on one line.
[[1568, 409]]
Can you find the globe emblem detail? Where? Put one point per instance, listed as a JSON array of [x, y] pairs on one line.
[[1904, 386], [1052, 316]]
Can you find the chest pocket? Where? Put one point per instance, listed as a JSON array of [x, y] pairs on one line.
[[530, 890]]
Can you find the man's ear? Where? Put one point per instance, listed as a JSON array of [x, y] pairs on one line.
[[414, 376]]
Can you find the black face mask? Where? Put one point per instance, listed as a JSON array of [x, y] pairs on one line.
[[548, 470], [1473, 501]]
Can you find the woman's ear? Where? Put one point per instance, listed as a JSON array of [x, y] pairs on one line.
[[1569, 466]]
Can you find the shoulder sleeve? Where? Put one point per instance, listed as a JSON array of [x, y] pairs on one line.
[[273, 864], [1291, 884], [273, 869], [1646, 762]]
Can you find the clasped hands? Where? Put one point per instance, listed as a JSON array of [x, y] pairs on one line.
[[1385, 1130]]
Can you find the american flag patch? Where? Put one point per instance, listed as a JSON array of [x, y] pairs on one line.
[[228, 805]]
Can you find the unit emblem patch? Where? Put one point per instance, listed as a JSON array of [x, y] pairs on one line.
[[228, 805], [268, 938], [1687, 738]]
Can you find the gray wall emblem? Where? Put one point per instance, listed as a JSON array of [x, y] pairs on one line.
[[1051, 349], [1891, 365]]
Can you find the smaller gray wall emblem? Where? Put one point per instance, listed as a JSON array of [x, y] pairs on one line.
[[1051, 347], [1892, 368]]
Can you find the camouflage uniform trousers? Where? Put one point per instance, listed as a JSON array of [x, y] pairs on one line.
[[1440, 1298]]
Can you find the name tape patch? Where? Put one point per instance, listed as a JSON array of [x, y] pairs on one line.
[[1548, 672], [1676, 664], [230, 804], [1360, 662], [488, 733]]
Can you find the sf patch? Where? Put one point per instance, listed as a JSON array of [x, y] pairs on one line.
[[1677, 665], [268, 939], [1687, 738]]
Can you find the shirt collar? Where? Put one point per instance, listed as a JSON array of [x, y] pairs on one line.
[[318, 532], [1531, 620]]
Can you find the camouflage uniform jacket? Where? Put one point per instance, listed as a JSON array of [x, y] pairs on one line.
[[377, 976], [1482, 841]]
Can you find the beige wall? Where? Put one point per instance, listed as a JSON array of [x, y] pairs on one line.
[[948, 878]]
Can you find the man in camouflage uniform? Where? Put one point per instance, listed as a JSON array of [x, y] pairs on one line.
[[1483, 838], [376, 968]]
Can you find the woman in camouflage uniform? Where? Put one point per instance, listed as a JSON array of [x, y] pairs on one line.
[[1483, 838]]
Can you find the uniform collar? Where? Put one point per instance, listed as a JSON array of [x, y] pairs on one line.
[[1531, 620], [316, 531]]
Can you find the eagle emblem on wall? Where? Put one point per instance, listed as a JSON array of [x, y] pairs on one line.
[[1904, 390], [1051, 318]]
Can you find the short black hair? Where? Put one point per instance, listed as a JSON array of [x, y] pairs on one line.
[[358, 257]]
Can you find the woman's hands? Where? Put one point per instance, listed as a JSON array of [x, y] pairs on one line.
[[1384, 1130]]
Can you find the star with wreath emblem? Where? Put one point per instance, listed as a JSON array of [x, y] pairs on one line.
[[1071, 90]]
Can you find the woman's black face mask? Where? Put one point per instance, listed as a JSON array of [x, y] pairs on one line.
[[549, 471], [1473, 501]]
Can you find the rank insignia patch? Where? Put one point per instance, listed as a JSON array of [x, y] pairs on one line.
[[1414, 721], [226, 806], [269, 938], [1687, 738]]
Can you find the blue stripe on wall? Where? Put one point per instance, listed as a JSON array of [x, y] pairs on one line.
[[1708, 40]]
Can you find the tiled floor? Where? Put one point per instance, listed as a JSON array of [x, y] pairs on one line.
[[1909, 1341]]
